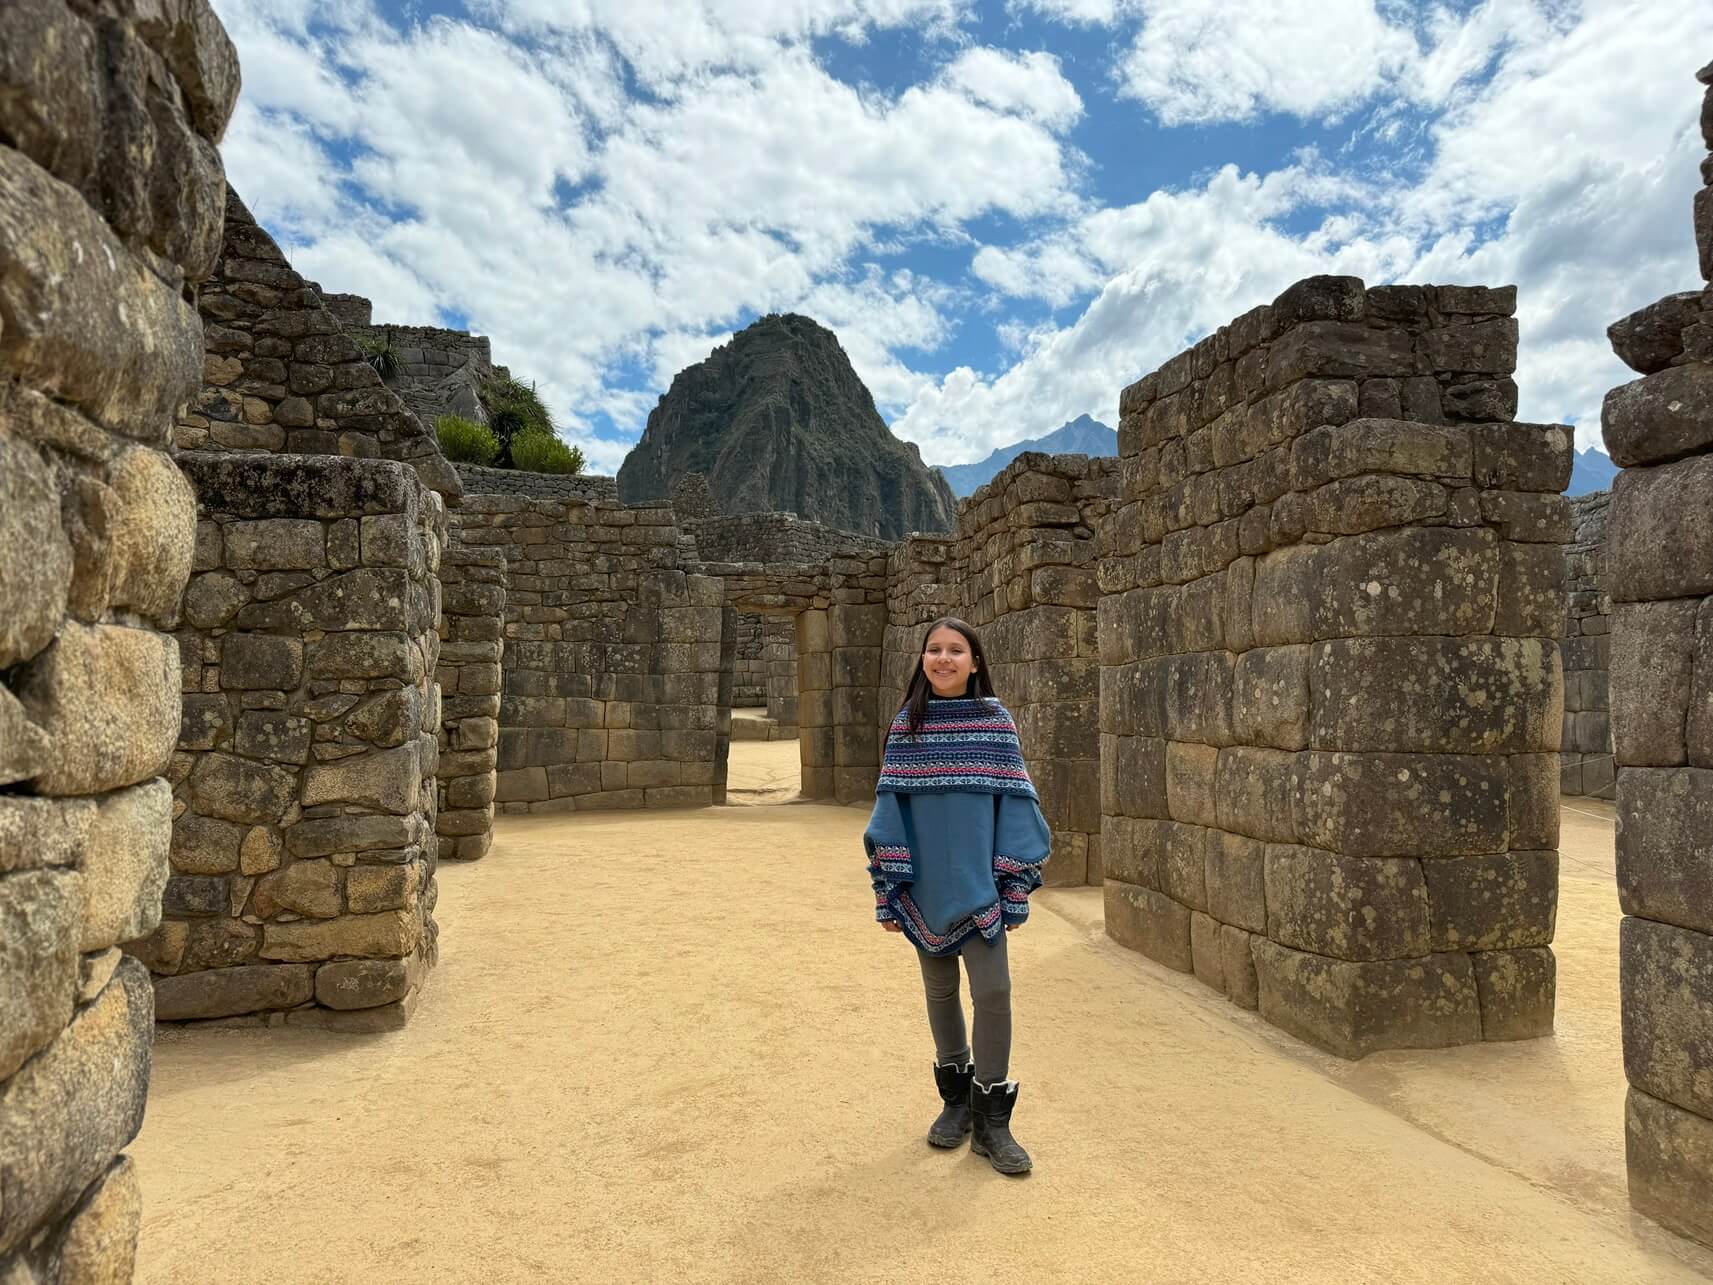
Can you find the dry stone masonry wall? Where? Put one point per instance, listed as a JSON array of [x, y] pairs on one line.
[[110, 195], [1331, 691], [281, 375], [1585, 760], [612, 666], [303, 849], [478, 480], [1659, 429], [472, 642]]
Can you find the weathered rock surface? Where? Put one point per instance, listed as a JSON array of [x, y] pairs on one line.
[[778, 420]]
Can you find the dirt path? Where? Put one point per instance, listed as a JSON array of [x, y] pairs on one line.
[[673, 1047]]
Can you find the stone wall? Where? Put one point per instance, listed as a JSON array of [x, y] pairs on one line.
[[1021, 568], [779, 655], [110, 194], [303, 848], [472, 643], [1331, 690], [610, 693], [749, 665], [776, 538], [1659, 429], [282, 376], [478, 480], [1585, 759]]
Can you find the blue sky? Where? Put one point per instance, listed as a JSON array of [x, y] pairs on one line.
[[1006, 210]]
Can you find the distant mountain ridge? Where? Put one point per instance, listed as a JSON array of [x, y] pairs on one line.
[[777, 420], [1081, 436], [1592, 471]]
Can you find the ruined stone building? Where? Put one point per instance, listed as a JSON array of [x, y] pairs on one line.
[[1299, 675]]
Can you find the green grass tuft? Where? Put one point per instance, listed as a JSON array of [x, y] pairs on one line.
[[466, 442]]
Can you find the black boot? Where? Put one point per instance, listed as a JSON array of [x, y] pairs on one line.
[[992, 1105], [954, 1121]]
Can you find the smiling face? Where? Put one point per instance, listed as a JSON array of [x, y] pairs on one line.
[[947, 661]]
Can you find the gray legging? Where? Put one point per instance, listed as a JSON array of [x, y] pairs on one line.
[[990, 992]]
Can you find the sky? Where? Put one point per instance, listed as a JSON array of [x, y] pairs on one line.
[[1007, 210]]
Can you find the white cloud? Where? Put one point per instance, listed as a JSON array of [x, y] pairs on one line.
[[429, 168], [1029, 83]]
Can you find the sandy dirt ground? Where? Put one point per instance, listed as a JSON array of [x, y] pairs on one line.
[[764, 772], [675, 1047]]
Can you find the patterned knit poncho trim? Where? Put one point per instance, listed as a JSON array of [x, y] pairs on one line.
[[963, 745]]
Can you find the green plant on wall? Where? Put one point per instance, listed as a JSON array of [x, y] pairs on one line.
[[377, 350], [536, 452], [514, 408], [464, 441]]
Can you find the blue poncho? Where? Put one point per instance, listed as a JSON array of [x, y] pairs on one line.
[[957, 839]]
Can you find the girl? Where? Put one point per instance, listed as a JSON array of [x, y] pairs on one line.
[[955, 847]]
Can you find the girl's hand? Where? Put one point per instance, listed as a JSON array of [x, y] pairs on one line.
[[1009, 927], [891, 925]]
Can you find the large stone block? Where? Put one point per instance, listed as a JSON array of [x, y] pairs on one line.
[[38, 960], [1665, 974], [1356, 908], [1419, 580], [1380, 805], [1496, 901], [76, 1104], [1190, 783], [1665, 845], [24, 747], [1133, 851], [1256, 790], [385, 780], [1330, 452], [260, 662], [1518, 989], [1437, 695], [1270, 697], [100, 743], [1657, 508], [366, 983], [86, 321], [1660, 417], [1150, 922], [1357, 1008], [39, 833], [1653, 652], [35, 557], [125, 865], [237, 789], [98, 1240], [1237, 881], [1669, 1159], [1238, 963], [228, 992], [367, 598], [390, 934]]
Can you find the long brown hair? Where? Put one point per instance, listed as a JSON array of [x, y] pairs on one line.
[[980, 681]]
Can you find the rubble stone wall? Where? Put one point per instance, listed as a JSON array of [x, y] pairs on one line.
[[610, 688], [1585, 761], [303, 845], [1659, 429], [110, 197], [478, 480], [749, 668], [472, 644], [1022, 568], [776, 539], [281, 375], [779, 655], [1331, 693]]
